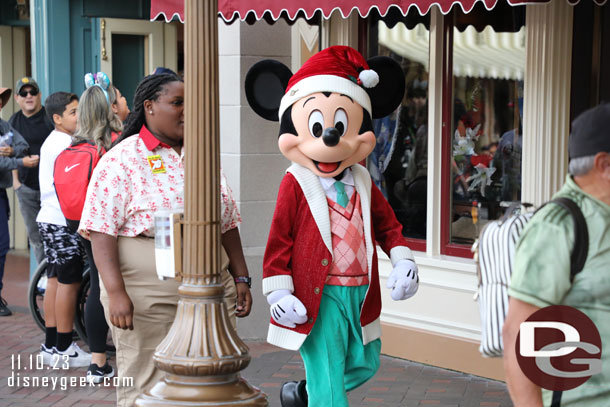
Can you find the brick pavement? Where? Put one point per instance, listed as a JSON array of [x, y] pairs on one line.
[[397, 383]]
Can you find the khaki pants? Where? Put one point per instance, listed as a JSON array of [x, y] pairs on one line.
[[154, 303]]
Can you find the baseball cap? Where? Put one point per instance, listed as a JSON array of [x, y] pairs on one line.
[[590, 132], [5, 95], [26, 81]]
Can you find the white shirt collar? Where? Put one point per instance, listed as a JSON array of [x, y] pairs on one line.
[[328, 183]]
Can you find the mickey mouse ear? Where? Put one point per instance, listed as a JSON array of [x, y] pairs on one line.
[[89, 80], [265, 85], [387, 94]]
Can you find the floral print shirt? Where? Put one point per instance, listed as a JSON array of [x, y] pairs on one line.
[[136, 178]]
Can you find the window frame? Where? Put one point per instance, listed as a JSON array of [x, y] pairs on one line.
[[446, 247]]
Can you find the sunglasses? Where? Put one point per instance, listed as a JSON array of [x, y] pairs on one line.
[[24, 93]]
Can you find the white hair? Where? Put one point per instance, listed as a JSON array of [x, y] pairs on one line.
[[581, 165]]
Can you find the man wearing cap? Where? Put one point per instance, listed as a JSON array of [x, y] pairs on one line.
[[12, 150], [33, 123], [541, 275]]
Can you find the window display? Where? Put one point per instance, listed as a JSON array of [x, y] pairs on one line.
[[478, 170], [487, 127]]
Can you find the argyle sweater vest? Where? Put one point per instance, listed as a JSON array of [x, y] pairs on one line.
[[349, 267]]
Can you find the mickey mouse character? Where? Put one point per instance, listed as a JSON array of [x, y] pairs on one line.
[[320, 271]]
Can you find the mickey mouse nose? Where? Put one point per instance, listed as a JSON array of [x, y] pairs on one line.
[[331, 136]]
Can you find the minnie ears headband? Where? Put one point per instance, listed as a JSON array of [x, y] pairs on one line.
[[98, 79]]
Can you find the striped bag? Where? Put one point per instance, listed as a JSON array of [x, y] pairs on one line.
[[494, 253]]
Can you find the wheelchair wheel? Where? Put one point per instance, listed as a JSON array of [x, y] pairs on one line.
[[36, 292]]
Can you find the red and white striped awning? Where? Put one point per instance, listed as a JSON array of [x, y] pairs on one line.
[[230, 10], [167, 9]]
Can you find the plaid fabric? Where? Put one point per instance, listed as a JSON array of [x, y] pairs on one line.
[[349, 266]]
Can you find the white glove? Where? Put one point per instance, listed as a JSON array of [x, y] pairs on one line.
[[286, 309], [403, 280]]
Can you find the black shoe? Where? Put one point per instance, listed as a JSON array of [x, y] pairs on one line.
[[4, 310], [293, 394], [96, 374]]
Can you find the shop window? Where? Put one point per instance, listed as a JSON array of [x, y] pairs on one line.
[[399, 163], [482, 104], [483, 176]]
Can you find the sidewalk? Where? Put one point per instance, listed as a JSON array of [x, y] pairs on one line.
[[397, 383]]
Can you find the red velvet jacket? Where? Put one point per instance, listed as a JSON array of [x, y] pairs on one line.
[[299, 249]]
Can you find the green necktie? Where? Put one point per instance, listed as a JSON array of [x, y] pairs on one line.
[[341, 195]]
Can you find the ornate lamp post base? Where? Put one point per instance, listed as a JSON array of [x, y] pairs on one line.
[[229, 391], [202, 355]]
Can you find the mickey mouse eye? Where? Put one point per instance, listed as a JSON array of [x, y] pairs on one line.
[[340, 121], [316, 121]]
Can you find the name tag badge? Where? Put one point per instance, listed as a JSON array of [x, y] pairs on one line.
[[156, 164]]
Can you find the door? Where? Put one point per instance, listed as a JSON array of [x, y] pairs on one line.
[[132, 49]]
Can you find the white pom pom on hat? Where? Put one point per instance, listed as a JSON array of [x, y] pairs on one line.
[[369, 78]]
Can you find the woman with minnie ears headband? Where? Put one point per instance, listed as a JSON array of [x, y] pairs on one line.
[[99, 125], [115, 98]]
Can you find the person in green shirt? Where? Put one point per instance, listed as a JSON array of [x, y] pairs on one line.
[[541, 275]]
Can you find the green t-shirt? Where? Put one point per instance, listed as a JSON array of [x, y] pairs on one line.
[[541, 277]]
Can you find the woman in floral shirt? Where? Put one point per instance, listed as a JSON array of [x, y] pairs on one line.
[[142, 174]]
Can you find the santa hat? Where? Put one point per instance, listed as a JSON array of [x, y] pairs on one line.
[[337, 69]]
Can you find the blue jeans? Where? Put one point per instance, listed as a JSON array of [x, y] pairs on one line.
[[5, 239]]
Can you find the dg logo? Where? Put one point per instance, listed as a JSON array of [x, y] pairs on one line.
[[559, 348]]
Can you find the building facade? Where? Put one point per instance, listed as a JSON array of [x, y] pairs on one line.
[[487, 89]]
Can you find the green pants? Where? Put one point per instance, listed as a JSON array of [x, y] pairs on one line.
[[335, 359]]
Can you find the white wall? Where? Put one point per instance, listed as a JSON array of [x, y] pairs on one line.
[[248, 147]]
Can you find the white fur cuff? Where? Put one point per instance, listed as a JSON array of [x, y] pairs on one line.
[[399, 253], [282, 282]]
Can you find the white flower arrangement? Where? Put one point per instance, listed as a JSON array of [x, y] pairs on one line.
[[465, 145], [482, 179]]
